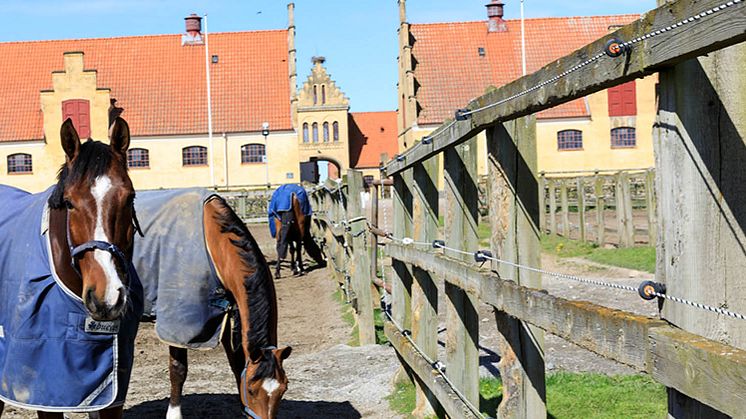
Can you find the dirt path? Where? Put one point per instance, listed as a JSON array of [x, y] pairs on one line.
[[328, 379]]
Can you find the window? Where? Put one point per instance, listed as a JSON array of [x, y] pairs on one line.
[[194, 156], [305, 132], [315, 94], [19, 163], [79, 111], [138, 157], [570, 139], [623, 137], [326, 132], [323, 94], [367, 181], [623, 100], [335, 130], [315, 132], [252, 153]]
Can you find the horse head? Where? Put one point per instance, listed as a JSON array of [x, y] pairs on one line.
[[94, 188], [264, 382]]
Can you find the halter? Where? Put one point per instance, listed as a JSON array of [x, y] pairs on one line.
[[246, 409]]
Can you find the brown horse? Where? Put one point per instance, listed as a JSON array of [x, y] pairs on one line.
[[294, 232], [234, 285], [91, 217]]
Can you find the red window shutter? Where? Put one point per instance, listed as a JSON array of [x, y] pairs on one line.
[[79, 111], [623, 100]]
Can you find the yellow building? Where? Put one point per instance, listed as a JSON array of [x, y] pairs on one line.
[[442, 66]]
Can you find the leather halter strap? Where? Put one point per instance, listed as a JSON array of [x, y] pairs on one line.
[[76, 251], [246, 409]]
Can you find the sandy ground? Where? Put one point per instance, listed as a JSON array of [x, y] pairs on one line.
[[327, 377]]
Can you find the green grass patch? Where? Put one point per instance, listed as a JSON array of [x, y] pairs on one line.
[[381, 338], [570, 396], [641, 258], [348, 317]]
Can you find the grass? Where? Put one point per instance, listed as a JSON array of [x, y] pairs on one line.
[[570, 396], [348, 317], [641, 258]]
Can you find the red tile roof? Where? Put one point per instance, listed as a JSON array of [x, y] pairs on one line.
[[159, 82], [371, 133], [450, 71]]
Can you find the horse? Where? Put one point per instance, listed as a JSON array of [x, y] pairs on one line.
[[202, 271], [290, 222], [69, 298]]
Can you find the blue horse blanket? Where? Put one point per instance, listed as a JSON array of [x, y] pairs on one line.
[[282, 201], [48, 360], [183, 292]]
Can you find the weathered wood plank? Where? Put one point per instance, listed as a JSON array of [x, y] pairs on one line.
[[511, 149], [625, 225], [401, 286], [708, 34], [424, 290], [598, 187], [542, 202], [552, 207], [461, 218], [651, 206], [580, 186], [565, 208], [359, 261], [435, 383]]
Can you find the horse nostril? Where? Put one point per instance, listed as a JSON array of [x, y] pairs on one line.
[[122, 297]]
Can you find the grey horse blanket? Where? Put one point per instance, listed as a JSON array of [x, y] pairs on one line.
[[182, 290], [51, 358]]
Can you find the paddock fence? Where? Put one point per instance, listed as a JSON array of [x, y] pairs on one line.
[[696, 348]]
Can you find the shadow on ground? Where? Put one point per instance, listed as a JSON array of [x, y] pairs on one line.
[[225, 406]]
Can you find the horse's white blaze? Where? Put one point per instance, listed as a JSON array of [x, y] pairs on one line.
[[270, 385], [113, 283], [174, 412]]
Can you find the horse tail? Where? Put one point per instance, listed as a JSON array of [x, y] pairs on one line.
[[283, 239]]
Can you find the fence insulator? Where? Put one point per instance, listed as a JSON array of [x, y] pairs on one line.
[[399, 157], [462, 115], [438, 244], [615, 47], [648, 289], [481, 256], [427, 140], [407, 241]]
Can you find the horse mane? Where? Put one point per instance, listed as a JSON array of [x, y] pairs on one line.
[[93, 160], [258, 285]]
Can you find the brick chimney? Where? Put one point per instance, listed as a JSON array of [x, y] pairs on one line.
[[193, 35], [495, 15]]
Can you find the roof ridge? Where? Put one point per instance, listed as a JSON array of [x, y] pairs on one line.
[[106, 38], [465, 22]]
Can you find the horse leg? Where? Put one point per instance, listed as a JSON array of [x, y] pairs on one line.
[[110, 413], [177, 371], [299, 256], [49, 415], [2, 406], [236, 358], [279, 258]]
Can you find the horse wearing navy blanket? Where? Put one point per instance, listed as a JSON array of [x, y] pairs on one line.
[[290, 222], [207, 282], [69, 298]]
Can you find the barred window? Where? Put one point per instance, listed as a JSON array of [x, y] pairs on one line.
[[305, 132], [19, 163], [326, 132], [138, 157], [623, 137], [252, 153], [335, 130], [315, 127], [570, 139], [194, 156]]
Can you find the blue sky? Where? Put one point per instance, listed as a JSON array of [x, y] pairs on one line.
[[358, 37]]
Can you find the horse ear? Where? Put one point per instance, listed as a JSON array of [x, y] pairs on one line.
[[283, 353], [119, 137], [70, 139]]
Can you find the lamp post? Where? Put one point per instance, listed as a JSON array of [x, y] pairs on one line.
[[265, 133], [209, 108], [523, 40]]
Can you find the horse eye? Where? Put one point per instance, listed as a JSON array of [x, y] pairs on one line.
[[69, 204]]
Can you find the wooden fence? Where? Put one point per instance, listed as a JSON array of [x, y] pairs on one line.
[[576, 206], [700, 150]]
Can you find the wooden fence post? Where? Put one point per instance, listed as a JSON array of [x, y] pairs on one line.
[[552, 206], [424, 289], [565, 208], [461, 219], [515, 237], [625, 223], [542, 202], [359, 260], [651, 206], [699, 150], [598, 187], [581, 207]]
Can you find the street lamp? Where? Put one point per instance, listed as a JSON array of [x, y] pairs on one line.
[[265, 133]]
